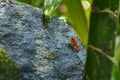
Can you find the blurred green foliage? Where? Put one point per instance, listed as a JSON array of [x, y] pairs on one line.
[[50, 6], [116, 70], [103, 25], [87, 8], [116, 67]]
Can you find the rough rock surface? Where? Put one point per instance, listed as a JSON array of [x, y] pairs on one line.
[[41, 52]]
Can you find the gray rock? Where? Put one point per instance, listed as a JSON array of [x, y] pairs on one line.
[[41, 52]]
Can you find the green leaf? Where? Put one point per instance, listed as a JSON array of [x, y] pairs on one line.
[[103, 25], [50, 6], [116, 67], [87, 7], [116, 71], [78, 18]]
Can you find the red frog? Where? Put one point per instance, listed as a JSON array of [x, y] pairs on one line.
[[74, 44]]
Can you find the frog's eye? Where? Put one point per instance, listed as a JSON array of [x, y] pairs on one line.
[[72, 38]]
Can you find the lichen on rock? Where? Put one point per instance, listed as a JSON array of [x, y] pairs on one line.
[[40, 52]]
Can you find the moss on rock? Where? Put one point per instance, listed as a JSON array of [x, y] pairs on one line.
[[8, 70]]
